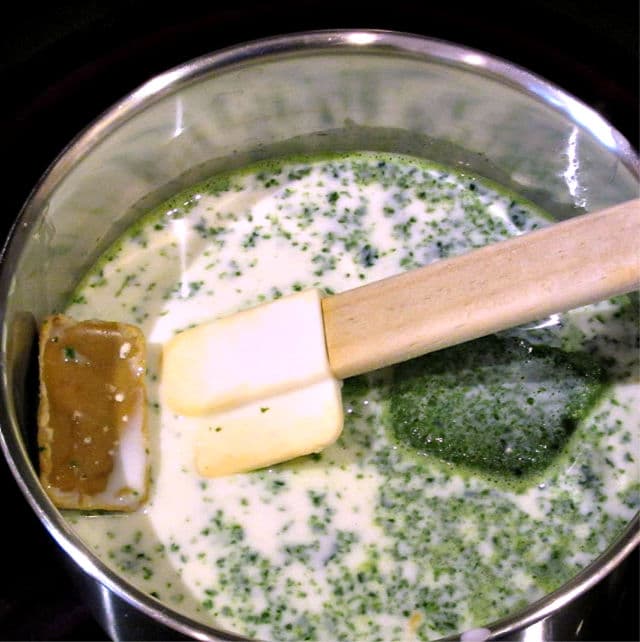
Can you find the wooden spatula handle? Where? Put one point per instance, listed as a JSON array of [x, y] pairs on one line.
[[571, 263]]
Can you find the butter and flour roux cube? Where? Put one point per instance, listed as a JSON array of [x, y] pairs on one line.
[[92, 426]]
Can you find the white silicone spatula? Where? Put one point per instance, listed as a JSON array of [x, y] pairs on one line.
[[582, 260], [268, 377]]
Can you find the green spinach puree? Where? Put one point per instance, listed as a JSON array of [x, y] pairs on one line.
[[499, 405]]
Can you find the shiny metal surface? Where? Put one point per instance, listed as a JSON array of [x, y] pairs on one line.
[[305, 92]]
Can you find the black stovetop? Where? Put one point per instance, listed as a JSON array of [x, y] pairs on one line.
[[62, 65]]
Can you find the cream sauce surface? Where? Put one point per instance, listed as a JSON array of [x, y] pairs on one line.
[[364, 541]]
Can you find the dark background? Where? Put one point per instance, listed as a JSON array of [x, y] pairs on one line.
[[62, 65]]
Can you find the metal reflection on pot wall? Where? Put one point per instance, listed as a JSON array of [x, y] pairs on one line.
[[572, 172], [588, 119], [356, 90]]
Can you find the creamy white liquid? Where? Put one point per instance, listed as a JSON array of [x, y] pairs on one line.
[[364, 542]]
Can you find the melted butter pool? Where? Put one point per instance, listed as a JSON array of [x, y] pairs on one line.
[[365, 541]]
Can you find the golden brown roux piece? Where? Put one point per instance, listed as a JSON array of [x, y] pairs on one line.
[[92, 431]]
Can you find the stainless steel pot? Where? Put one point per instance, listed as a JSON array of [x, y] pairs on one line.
[[305, 92]]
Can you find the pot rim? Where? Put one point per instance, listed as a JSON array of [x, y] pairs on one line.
[[308, 42]]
